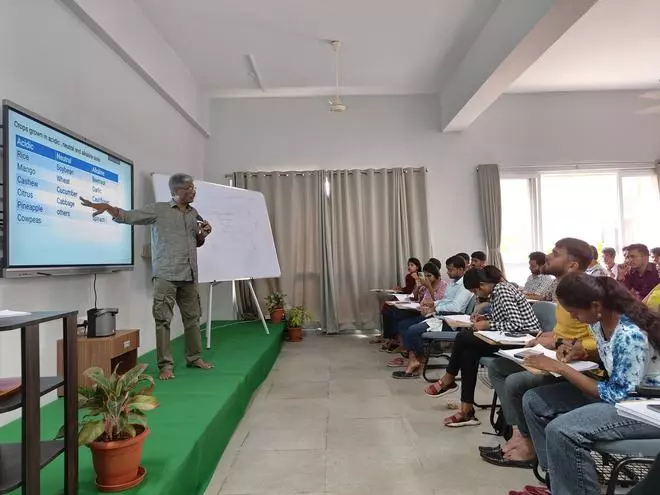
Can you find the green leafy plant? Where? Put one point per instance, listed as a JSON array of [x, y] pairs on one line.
[[114, 405], [274, 301], [297, 316]]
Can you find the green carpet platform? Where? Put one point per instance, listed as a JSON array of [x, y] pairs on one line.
[[198, 414]]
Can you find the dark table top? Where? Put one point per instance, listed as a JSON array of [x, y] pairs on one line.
[[36, 318]]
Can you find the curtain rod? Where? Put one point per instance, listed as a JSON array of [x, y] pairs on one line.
[[580, 166], [330, 172]]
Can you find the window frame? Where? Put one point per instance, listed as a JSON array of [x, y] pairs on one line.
[[534, 176]]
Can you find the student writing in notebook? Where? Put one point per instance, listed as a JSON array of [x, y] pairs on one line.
[[510, 313], [565, 419], [511, 381]]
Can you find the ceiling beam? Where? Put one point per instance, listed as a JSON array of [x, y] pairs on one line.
[[516, 35]]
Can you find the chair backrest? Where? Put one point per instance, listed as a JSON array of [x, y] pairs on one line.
[[545, 311], [472, 303]]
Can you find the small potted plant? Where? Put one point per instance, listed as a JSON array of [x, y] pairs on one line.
[[114, 426], [296, 317], [275, 304]]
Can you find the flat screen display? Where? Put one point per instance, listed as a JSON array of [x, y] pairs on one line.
[[46, 171]]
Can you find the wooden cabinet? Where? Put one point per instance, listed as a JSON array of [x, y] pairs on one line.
[[20, 463], [104, 352]]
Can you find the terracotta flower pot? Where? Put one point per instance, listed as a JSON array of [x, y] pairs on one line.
[[295, 334], [277, 315], [116, 463]]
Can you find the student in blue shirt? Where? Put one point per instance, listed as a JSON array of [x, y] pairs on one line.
[[567, 418]]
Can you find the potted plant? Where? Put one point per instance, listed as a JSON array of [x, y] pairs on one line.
[[296, 317], [114, 425], [275, 303]]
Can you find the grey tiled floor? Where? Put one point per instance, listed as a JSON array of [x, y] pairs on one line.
[[330, 420]]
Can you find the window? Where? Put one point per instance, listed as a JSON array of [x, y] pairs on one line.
[[610, 208]]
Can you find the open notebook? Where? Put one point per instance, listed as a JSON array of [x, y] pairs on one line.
[[640, 410], [515, 356], [502, 338]]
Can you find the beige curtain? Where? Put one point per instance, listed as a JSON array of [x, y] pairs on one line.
[[657, 173], [378, 218], [488, 178], [294, 204], [339, 234]]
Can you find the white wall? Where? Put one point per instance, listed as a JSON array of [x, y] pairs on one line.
[[518, 130], [54, 66]]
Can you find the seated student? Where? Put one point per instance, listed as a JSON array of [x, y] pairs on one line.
[[414, 267], [655, 252], [387, 312], [510, 312], [391, 315], [466, 259], [595, 269], [641, 276], [539, 286], [436, 262], [454, 301], [567, 418], [653, 299], [511, 381], [478, 259], [609, 255]]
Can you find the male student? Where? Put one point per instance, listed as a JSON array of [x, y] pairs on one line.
[[609, 255], [539, 286], [478, 259], [511, 381], [641, 276], [176, 233], [595, 269], [655, 252]]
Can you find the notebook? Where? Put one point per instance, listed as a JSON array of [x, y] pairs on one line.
[[580, 366], [501, 338], [8, 313], [640, 411]]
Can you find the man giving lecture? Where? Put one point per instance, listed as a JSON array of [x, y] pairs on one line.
[[176, 232]]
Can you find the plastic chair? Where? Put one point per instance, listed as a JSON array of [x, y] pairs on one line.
[[545, 311]]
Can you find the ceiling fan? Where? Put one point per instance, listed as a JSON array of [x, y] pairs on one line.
[[335, 102], [651, 95]]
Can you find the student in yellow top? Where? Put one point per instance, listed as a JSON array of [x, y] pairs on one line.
[[511, 381], [653, 299]]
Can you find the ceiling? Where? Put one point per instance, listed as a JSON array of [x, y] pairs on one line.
[[616, 45], [388, 46], [393, 47]]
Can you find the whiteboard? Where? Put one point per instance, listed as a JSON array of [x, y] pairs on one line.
[[241, 244]]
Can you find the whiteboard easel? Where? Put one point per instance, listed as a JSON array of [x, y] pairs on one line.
[[209, 311], [241, 246]]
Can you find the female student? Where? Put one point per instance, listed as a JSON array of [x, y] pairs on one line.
[[567, 418], [390, 315], [433, 289], [510, 312]]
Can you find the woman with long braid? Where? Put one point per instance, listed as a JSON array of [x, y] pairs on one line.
[[567, 418]]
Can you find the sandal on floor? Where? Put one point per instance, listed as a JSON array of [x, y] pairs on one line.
[[403, 375], [497, 449], [397, 362], [437, 389], [202, 365], [498, 459], [459, 420]]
